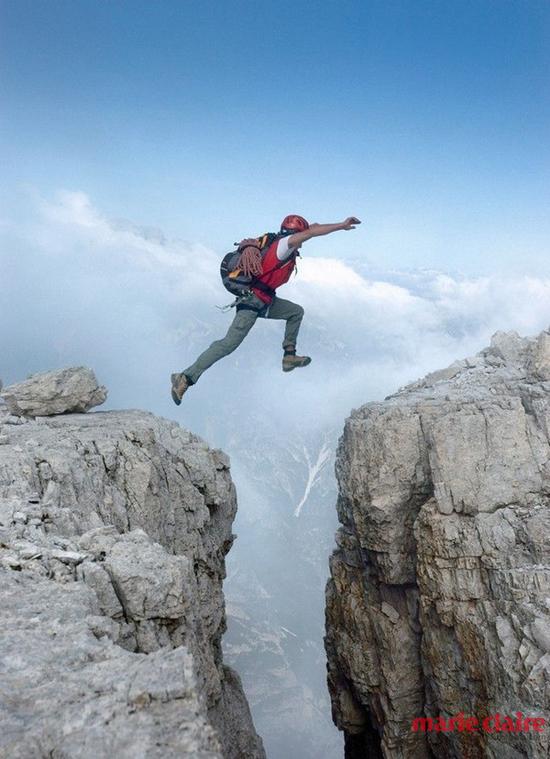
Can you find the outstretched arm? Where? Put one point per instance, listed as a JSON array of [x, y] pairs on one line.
[[317, 230]]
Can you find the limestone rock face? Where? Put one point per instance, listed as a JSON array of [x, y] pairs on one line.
[[113, 533], [439, 597], [59, 392]]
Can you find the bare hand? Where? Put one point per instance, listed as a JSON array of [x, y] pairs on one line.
[[350, 222]]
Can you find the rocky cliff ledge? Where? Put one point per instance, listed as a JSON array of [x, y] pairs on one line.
[[113, 531], [439, 600]]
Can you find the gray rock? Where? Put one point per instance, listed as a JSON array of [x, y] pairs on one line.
[[114, 529], [508, 346], [68, 557], [541, 358], [69, 690], [437, 602], [148, 583], [58, 392]]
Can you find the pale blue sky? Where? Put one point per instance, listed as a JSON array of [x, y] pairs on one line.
[[212, 120]]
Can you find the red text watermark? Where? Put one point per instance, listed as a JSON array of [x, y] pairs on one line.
[[495, 723]]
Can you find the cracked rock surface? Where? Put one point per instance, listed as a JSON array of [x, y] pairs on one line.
[[439, 597], [75, 389], [113, 532]]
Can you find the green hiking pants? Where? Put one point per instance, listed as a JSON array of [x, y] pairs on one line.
[[243, 322]]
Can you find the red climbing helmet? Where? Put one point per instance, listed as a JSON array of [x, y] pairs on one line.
[[294, 223]]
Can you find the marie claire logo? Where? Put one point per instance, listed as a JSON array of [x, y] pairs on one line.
[[496, 723]]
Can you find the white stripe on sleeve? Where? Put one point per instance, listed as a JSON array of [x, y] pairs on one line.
[[283, 250]]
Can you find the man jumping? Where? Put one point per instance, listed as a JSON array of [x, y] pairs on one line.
[[274, 269]]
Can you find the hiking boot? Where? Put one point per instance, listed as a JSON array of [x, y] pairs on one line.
[[180, 383], [292, 361]]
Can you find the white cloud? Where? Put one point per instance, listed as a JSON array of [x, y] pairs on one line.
[[80, 287], [70, 225]]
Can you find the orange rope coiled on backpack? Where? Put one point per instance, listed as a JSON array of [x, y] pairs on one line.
[[250, 260]]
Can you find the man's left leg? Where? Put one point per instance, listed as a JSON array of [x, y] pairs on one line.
[[293, 314], [241, 325]]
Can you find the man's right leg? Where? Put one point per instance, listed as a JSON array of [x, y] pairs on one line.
[[293, 314], [239, 329]]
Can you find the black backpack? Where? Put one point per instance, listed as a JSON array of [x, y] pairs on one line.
[[233, 278]]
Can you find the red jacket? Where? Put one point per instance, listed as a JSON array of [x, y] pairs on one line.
[[276, 272]]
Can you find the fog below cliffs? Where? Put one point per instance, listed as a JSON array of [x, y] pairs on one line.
[[79, 288]]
